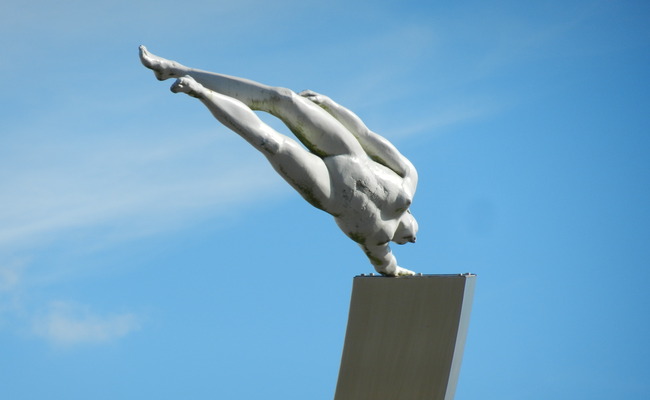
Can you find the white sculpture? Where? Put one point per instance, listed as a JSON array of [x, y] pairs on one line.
[[349, 171]]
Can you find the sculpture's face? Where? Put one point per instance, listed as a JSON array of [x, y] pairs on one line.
[[406, 230]]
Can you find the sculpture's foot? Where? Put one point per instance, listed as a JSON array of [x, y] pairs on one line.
[[397, 271], [189, 86], [162, 68]]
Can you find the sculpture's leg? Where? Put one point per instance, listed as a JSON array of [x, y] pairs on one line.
[[316, 129], [376, 146], [304, 171]]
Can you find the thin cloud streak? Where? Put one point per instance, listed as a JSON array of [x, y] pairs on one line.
[[442, 118], [68, 324], [124, 183]]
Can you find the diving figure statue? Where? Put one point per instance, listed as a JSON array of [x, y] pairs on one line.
[[344, 168]]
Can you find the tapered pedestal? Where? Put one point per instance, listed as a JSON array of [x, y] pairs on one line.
[[405, 337]]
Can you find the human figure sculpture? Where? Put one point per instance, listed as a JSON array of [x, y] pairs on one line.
[[347, 170]]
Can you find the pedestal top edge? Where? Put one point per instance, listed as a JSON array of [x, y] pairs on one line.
[[417, 276]]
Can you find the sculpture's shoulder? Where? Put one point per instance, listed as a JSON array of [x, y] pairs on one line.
[[366, 231]]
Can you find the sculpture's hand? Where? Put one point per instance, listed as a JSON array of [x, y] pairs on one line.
[[399, 271]]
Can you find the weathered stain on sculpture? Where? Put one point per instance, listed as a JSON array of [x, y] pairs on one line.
[[347, 170]]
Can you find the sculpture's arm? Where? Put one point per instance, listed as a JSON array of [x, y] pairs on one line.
[[377, 147], [383, 260]]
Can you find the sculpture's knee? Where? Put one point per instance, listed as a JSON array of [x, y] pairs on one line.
[[274, 100], [270, 144], [290, 107], [284, 96]]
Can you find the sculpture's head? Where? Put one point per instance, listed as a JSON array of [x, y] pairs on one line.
[[406, 230]]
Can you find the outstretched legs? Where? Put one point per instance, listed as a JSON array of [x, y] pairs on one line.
[[304, 171], [321, 133]]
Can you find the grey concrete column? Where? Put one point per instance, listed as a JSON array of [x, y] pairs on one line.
[[405, 337]]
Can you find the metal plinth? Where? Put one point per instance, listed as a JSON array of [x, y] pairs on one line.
[[405, 337]]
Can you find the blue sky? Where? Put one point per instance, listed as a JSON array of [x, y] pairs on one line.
[[148, 252]]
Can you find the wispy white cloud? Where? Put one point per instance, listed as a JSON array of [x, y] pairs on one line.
[[140, 184], [10, 275], [445, 66], [377, 68], [443, 115], [436, 123], [67, 324]]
